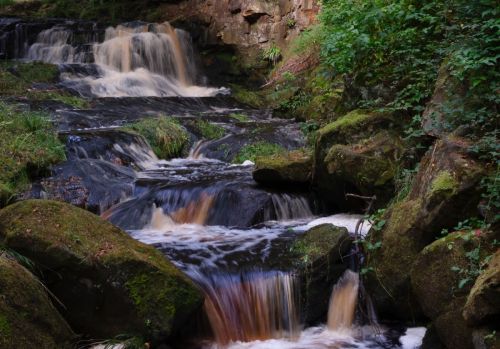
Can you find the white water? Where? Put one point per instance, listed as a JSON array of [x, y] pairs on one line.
[[142, 61]]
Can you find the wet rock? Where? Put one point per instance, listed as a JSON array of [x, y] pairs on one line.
[[320, 255], [27, 317], [483, 303], [98, 272], [292, 167], [355, 140], [445, 190], [486, 338]]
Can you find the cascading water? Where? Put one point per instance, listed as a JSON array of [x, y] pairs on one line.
[[134, 60], [209, 217]]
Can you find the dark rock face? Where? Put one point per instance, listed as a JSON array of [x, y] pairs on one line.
[[320, 256], [98, 272], [444, 192], [27, 317], [247, 25], [352, 155]]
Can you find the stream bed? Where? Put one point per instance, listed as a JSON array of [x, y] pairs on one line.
[[204, 212]]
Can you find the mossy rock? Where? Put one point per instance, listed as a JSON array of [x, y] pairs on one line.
[[433, 204], [355, 134], [433, 279], [291, 167], [98, 272], [483, 303], [320, 258], [167, 137], [369, 167], [27, 317]]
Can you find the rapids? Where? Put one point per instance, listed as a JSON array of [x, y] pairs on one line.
[[207, 215]]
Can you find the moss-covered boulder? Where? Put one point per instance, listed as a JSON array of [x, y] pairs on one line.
[[320, 257], [483, 302], [356, 140], [291, 167], [369, 166], [445, 190], [98, 272], [27, 317]]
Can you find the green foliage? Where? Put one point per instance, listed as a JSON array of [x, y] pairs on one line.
[[252, 151], [209, 130], [165, 135], [290, 22], [310, 130], [272, 54], [398, 46], [28, 146], [4, 3]]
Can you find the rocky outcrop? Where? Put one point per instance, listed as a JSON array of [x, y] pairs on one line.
[[248, 25], [27, 317], [444, 191], [442, 277], [483, 302], [292, 167], [352, 155], [98, 272], [320, 257]]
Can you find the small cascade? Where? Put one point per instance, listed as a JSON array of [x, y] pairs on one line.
[[133, 60], [343, 301], [251, 306], [196, 151], [288, 206], [53, 46]]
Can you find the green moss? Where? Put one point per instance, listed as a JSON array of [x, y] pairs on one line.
[[318, 242], [60, 96], [68, 240], [443, 183], [245, 96], [16, 78], [4, 326], [352, 119], [165, 135], [209, 130], [28, 146], [239, 116], [254, 150]]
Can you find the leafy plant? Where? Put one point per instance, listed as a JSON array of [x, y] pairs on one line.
[[209, 130], [272, 54]]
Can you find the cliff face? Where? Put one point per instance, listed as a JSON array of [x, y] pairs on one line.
[[248, 25]]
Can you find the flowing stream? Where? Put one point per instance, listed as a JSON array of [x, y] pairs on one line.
[[206, 214]]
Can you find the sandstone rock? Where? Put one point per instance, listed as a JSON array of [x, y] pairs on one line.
[[483, 303], [352, 155], [444, 191], [27, 317], [320, 256], [293, 167], [98, 272]]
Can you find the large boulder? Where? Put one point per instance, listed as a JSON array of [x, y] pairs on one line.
[[369, 166], [27, 317], [445, 190], [292, 167], [483, 303], [320, 257], [98, 272], [353, 155], [442, 277]]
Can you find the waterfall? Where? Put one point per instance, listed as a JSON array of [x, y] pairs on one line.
[[133, 61], [343, 302], [251, 306], [287, 206]]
